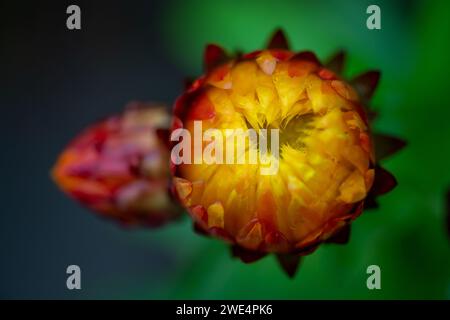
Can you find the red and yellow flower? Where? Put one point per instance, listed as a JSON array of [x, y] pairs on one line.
[[119, 167], [328, 166]]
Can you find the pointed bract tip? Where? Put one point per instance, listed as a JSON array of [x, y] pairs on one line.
[[383, 183], [337, 62], [386, 145], [366, 83], [246, 256], [213, 56], [278, 41], [307, 56], [342, 236], [289, 263]]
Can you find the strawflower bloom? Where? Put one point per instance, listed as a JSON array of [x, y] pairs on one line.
[[328, 156]]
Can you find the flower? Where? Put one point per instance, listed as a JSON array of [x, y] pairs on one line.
[[119, 167], [328, 164]]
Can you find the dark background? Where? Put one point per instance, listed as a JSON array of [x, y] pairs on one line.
[[54, 82]]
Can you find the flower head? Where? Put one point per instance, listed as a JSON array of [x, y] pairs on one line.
[[119, 167], [327, 159]]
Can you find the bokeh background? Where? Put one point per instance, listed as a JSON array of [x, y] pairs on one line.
[[54, 82]]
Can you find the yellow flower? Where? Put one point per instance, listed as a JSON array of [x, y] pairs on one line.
[[326, 157]]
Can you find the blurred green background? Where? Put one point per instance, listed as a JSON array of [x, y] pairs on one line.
[[406, 236]]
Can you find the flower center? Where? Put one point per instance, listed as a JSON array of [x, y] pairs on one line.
[[292, 133]]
